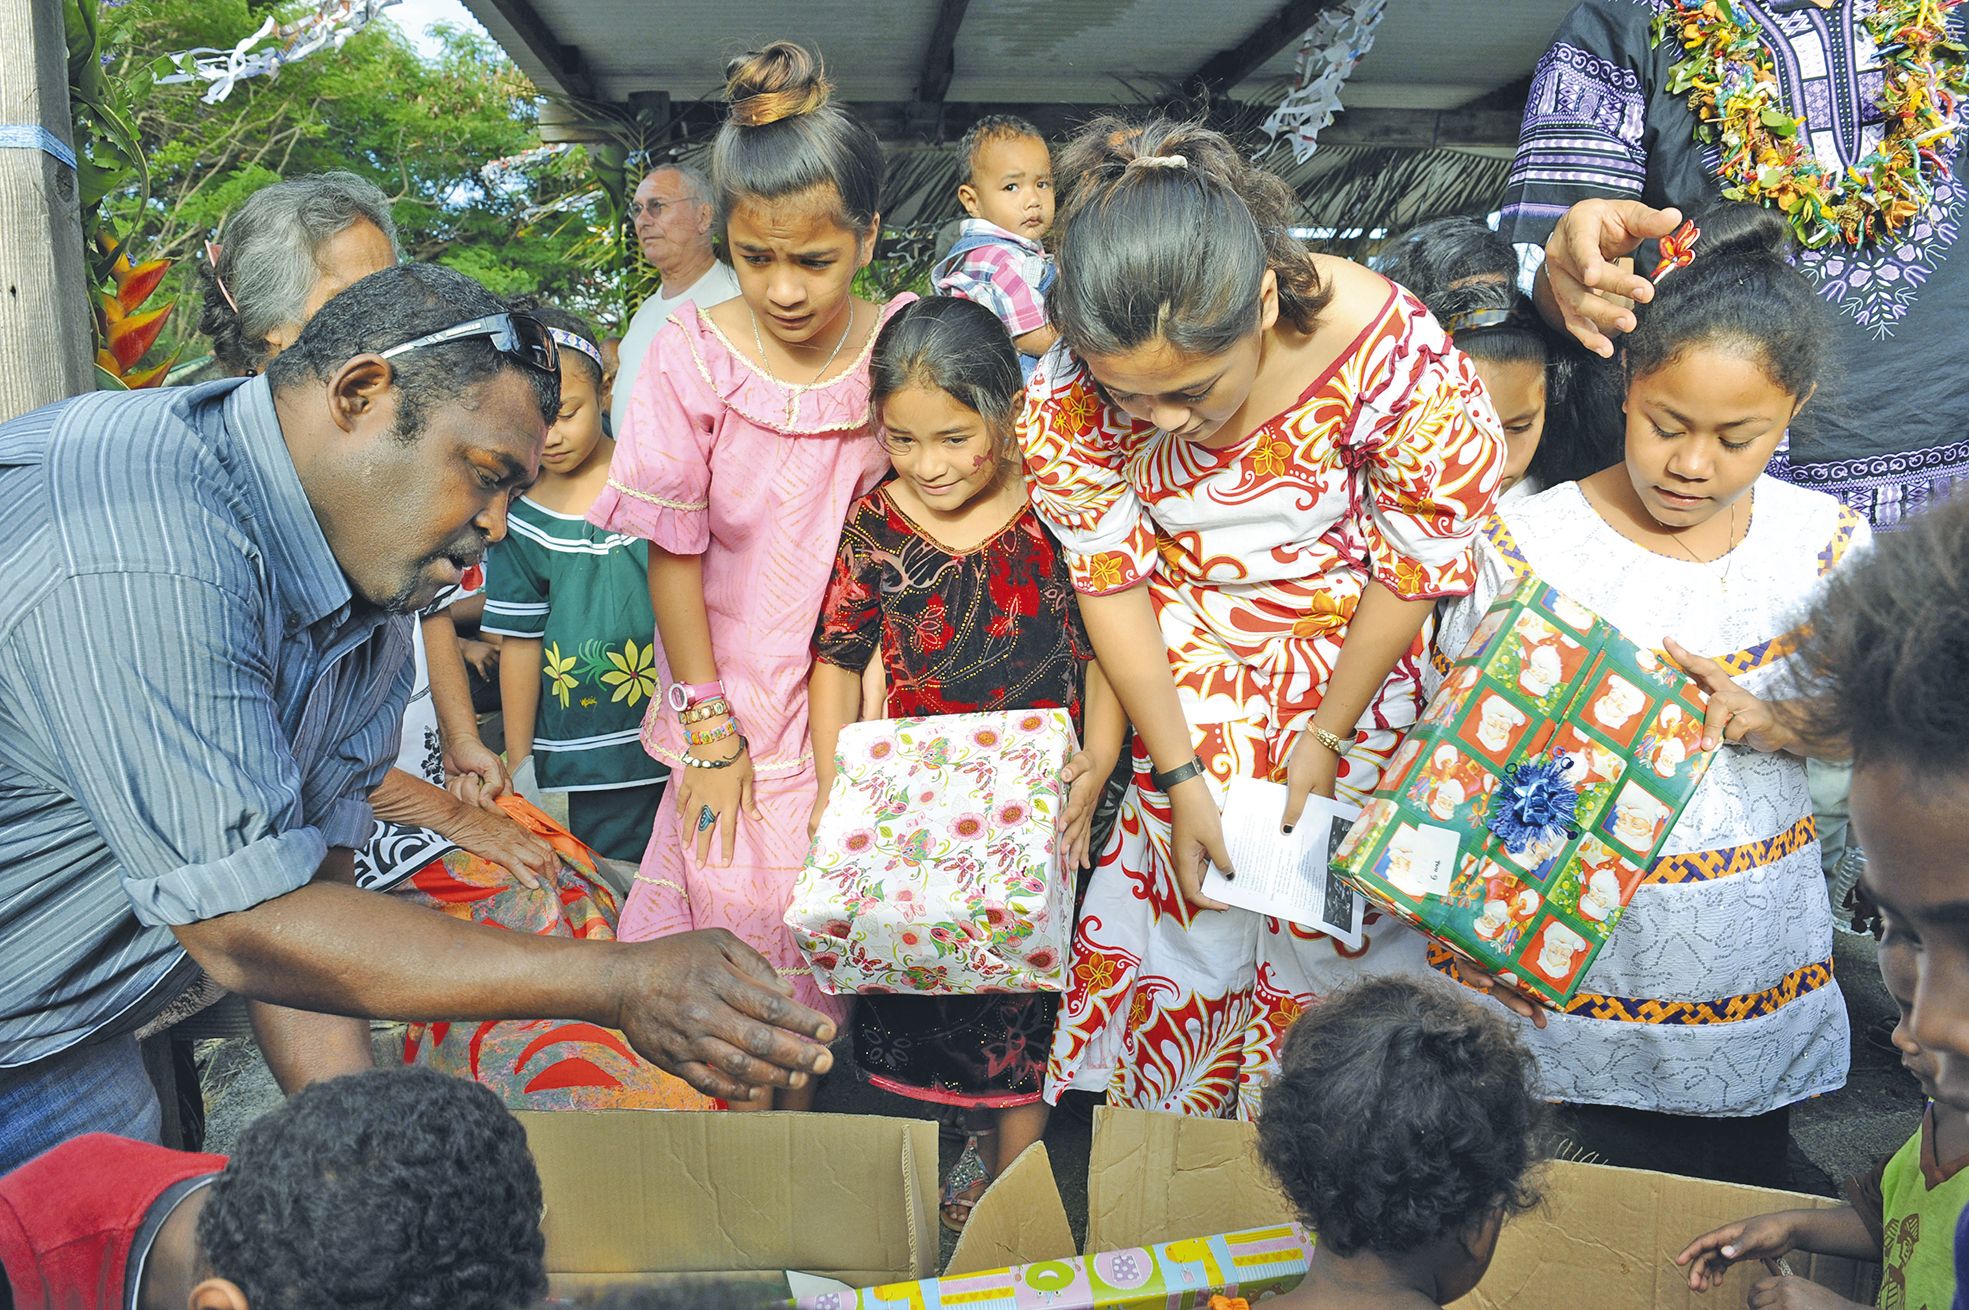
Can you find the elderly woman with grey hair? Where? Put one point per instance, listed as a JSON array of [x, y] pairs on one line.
[[282, 255]]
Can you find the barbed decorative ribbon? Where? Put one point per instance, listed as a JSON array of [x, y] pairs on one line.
[[332, 24], [1328, 52]]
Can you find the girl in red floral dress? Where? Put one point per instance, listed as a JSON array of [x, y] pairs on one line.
[[946, 569], [1265, 466]]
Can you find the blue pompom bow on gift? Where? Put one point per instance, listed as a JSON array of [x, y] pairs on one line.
[[1535, 803]]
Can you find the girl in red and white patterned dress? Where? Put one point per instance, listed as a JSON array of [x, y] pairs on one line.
[[1265, 468]]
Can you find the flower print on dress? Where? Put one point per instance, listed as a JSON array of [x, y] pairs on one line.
[[1012, 814], [634, 674], [931, 631], [560, 672]]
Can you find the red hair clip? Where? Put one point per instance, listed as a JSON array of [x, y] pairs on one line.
[[1678, 250]]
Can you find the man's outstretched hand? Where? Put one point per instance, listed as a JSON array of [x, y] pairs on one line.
[[1587, 289], [710, 1009]]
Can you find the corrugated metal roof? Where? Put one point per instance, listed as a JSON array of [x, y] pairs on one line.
[[873, 48], [1428, 54], [1092, 51]]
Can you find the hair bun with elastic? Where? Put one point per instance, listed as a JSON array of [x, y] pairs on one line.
[[784, 80]]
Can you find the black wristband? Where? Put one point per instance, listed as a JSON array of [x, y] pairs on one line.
[[1181, 773]]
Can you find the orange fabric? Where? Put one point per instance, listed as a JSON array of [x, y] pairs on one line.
[[538, 1064]]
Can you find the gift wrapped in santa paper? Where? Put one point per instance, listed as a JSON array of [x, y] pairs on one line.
[[1518, 816], [936, 868]]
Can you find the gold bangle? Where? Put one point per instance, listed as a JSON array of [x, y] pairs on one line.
[[1332, 741]]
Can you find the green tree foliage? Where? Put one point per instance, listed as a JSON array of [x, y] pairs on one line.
[[421, 129]]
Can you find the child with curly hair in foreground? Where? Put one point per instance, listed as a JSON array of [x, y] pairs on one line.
[[391, 1187], [1403, 1126]]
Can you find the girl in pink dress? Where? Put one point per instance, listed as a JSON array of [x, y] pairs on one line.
[[1264, 466], [748, 438]]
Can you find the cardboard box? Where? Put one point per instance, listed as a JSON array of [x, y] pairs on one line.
[[848, 1197], [1158, 1177], [1609, 1237], [1604, 1237], [936, 866], [1019, 1219], [1178, 1208], [1550, 703]]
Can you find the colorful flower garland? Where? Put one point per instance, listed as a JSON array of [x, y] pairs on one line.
[[1767, 157]]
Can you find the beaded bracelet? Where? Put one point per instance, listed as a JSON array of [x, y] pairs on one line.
[[705, 738], [705, 709], [693, 762]]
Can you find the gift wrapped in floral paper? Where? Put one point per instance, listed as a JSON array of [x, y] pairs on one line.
[[936, 866], [1516, 819]]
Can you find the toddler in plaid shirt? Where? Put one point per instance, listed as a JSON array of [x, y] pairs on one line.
[[998, 259]]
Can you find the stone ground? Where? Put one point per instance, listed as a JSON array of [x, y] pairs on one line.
[[1833, 1137]]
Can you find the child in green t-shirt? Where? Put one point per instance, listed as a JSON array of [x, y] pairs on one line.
[[577, 666], [1902, 1214]]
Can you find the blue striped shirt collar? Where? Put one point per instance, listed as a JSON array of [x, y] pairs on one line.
[[310, 580]]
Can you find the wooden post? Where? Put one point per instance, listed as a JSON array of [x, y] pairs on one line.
[[47, 348]]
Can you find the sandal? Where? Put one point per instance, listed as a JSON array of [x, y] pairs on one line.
[[966, 1183]]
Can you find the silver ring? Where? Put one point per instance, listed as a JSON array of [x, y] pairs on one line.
[[706, 816]]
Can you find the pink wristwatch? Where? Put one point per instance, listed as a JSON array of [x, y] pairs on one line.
[[683, 695]]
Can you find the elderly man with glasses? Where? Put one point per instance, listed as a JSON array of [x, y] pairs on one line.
[[204, 621], [672, 213]]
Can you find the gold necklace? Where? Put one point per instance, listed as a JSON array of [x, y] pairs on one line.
[[1729, 554], [759, 340]]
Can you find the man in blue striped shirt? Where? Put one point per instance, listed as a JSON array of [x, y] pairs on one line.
[[203, 667]]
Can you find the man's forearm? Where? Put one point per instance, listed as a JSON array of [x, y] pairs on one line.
[[331, 948], [405, 798]]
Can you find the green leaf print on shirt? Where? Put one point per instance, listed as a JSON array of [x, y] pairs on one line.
[[630, 672]]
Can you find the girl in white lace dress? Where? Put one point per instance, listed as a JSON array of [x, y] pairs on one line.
[[1713, 1007]]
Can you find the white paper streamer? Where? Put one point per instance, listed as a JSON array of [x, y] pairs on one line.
[[1327, 55], [330, 25]]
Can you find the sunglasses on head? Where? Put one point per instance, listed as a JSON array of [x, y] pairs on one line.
[[523, 337]]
